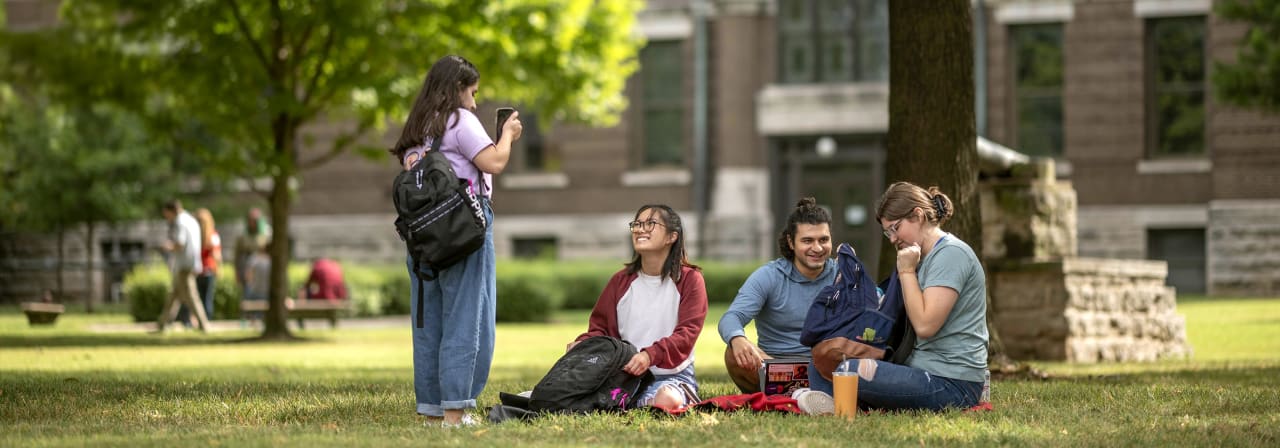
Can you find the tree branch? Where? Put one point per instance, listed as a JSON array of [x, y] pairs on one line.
[[248, 36], [319, 68], [339, 145]]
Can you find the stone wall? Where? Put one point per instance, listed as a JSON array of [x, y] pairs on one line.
[[1244, 247], [1087, 310]]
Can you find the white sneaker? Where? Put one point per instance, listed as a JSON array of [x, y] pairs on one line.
[[466, 421], [526, 394], [815, 402]]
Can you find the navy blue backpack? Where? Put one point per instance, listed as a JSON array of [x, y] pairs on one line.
[[851, 308]]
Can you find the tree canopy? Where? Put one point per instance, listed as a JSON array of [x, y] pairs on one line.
[[1253, 80], [234, 82]]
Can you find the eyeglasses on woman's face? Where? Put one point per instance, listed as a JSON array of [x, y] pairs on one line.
[[644, 226], [892, 230]]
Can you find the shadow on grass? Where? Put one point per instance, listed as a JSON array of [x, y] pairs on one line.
[[139, 340]]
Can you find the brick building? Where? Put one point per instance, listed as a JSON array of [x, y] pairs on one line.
[[742, 106]]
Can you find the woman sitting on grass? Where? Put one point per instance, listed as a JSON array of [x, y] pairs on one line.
[[944, 290], [658, 303]]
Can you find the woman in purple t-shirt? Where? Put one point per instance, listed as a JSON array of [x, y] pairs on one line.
[[451, 357]]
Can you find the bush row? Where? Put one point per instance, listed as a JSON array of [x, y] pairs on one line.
[[528, 291]]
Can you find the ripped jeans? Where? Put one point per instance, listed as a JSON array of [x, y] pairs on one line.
[[894, 387]]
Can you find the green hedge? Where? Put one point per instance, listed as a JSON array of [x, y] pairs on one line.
[[528, 291]]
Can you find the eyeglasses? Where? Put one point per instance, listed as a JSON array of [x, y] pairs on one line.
[[646, 226], [893, 229]]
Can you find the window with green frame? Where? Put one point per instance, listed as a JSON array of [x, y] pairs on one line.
[[663, 100], [1175, 87], [1036, 52], [824, 41]]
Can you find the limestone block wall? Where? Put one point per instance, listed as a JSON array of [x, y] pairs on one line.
[[1029, 216], [1244, 247], [1087, 310]]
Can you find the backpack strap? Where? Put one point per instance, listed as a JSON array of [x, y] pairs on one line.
[[435, 146], [421, 303]]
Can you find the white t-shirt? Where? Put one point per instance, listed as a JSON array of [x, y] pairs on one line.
[[185, 235], [649, 311]]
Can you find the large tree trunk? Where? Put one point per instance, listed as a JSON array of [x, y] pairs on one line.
[[88, 267], [932, 136], [275, 322]]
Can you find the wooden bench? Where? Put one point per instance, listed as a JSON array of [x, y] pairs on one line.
[[40, 313], [304, 309]]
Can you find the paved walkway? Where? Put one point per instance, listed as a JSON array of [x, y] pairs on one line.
[[236, 325]]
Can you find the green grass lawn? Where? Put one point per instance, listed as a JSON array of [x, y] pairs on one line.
[[67, 385]]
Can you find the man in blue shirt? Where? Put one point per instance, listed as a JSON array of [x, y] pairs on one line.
[[777, 296]]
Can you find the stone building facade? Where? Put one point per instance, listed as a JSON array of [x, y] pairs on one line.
[[790, 98]]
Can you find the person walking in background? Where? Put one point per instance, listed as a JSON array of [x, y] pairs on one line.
[[184, 245], [777, 296], [658, 303], [257, 235], [453, 350], [210, 258], [944, 291]]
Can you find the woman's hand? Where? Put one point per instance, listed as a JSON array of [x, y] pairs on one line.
[[513, 127], [638, 364], [908, 259]]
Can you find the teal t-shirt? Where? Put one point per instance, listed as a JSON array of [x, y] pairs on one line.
[[959, 349]]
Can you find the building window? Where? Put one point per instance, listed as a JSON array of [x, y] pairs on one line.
[[543, 248], [1036, 53], [662, 81], [833, 41], [532, 147], [1175, 86], [1184, 251]]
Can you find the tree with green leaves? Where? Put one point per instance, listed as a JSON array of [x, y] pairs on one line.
[[236, 82], [1253, 80], [75, 166]]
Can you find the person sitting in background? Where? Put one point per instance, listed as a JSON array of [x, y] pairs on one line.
[[257, 278], [325, 281]]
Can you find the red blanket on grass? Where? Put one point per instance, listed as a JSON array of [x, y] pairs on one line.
[[759, 402]]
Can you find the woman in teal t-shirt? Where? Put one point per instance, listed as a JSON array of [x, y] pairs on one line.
[[944, 290]]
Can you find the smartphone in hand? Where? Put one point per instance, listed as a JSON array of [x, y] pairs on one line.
[[503, 114]]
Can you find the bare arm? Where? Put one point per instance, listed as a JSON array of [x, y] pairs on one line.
[[494, 158], [928, 309]]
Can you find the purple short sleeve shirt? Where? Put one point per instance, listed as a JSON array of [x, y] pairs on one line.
[[464, 138]]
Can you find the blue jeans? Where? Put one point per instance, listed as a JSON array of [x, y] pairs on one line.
[[684, 376], [897, 387], [454, 348]]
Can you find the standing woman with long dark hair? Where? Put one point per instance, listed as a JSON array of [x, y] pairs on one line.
[[454, 348]]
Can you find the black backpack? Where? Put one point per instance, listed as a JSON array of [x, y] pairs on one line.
[[437, 216], [590, 378]]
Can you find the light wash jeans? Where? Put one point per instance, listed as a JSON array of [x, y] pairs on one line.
[[897, 387], [682, 377], [454, 348]]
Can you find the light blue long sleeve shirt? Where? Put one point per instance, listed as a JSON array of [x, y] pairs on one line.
[[777, 296]]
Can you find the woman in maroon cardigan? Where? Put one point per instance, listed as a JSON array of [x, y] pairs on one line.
[[658, 303]]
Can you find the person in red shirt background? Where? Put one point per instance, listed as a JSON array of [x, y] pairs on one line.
[[325, 281]]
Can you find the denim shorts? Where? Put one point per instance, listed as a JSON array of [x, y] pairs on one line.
[[683, 381]]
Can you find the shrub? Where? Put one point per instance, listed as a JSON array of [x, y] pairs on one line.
[[146, 287], [520, 301]]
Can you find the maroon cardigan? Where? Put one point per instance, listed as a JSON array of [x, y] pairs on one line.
[[668, 352]]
